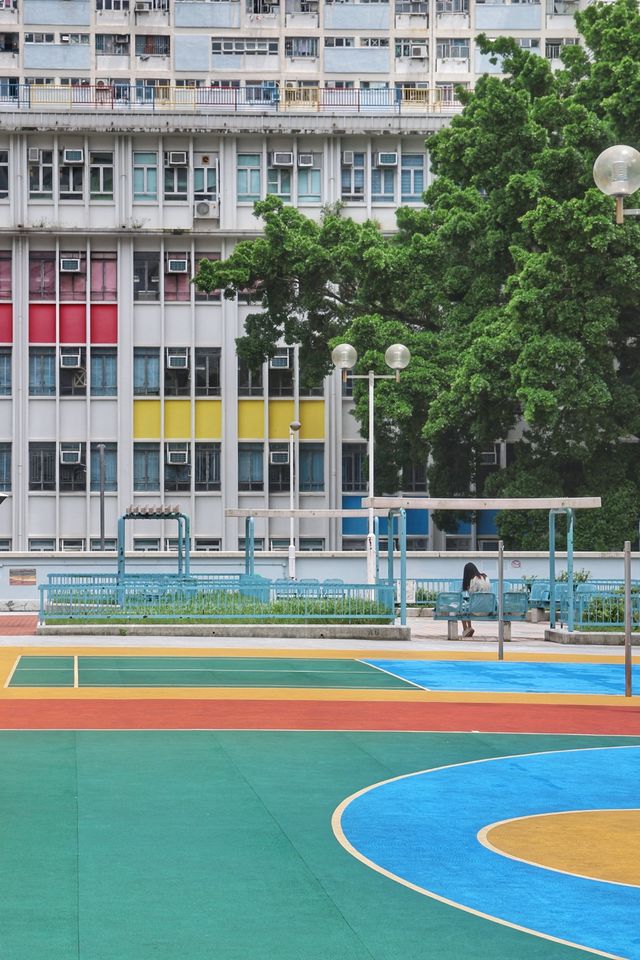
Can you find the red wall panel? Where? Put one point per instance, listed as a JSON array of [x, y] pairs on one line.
[[104, 323], [6, 323], [73, 323], [42, 323]]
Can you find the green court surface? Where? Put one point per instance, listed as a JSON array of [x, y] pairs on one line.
[[86, 671], [152, 845]]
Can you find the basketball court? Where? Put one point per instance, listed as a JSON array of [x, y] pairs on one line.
[[316, 804]]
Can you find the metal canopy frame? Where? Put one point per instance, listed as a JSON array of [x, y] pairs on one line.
[[157, 513]]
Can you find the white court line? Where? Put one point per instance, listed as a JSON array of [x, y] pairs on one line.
[[13, 670], [392, 674]]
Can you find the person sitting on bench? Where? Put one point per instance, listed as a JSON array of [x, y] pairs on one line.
[[473, 581]]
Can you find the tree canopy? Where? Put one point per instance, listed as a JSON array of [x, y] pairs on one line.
[[514, 289]]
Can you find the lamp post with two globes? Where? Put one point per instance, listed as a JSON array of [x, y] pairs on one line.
[[345, 357]]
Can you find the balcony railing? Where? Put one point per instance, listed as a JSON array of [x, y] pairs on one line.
[[170, 99]]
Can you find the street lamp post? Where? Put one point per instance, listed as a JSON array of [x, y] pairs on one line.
[[345, 357], [294, 428], [617, 174]]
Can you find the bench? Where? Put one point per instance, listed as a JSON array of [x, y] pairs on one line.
[[453, 606]]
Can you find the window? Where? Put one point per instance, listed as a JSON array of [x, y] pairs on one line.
[[310, 389], [5, 467], [258, 543], [176, 182], [412, 177], [9, 88], [110, 543], [113, 44], [354, 466], [151, 90], [311, 544], [208, 543], [202, 295], [104, 372], [278, 543], [177, 286], [71, 180], [303, 47], [5, 275], [374, 41], [310, 182], [177, 374], [41, 175], [146, 466], [279, 473], [281, 376], [452, 49], [146, 276], [207, 466], [42, 544], [42, 466], [247, 47], [42, 275], [452, 6], [5, 544], [5, 371], [383, 185], [311, 467], [279, 182], [457, 543], [73, 372], [177, 476], [404, 46], [171, 543], [4, 174], [249, 381], [354, 543], [412, 7], [261, 91], [110, 466], [207, 369], [42, 372], [75, 545], [37, 37], [112, 4], [250, 466], [146, 371], [205, 181], [339, 41], [74, 38], [248, 177], [153, 45], [101, 175], [73, 285], [352, 176], [414, 478], [145, 176], [553, 48], [146, 544], [104, 276]]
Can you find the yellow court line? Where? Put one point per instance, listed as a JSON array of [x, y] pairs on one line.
[[316, 694]]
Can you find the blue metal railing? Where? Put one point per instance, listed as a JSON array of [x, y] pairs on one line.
[[249, 600], [602, 607]]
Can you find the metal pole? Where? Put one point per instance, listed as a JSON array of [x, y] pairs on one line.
[[101, 480], [292, 534], [628, 687], [570, 595], [402, 532], [376, 530], [500, 600], [552, 569], [371, 560]]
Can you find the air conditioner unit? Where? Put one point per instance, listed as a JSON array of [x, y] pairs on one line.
[[178, 454], [279, 458], [177, 358], [281, 159], [72, 156], [69, 264], [33, 154], [142, 6], [64, 38], [71, 359], [347, 158], [280, 361], [206, 210], [121, 39], [419, 51], [305, 159], [386, 159], [71, 454], [177, 266], [177, 158]]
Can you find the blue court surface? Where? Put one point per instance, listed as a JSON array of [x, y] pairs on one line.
[[508, 677], [422, 829]]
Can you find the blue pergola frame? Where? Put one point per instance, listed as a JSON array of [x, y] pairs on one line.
[[184, 562]]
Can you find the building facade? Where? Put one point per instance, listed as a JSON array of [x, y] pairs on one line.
[[135, 136]]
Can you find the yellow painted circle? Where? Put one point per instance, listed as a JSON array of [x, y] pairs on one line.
[[600, 844]]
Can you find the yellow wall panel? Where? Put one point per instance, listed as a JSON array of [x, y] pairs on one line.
[[146, 419], [208, 419], [177, 419], [312, 419], [250, 419], [280, 416]]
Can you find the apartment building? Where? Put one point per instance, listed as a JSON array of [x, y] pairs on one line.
[[135, 136]]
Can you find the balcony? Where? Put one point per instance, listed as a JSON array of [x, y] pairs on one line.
[[205, 14], [356, 16], [302, 14], [508, 16]]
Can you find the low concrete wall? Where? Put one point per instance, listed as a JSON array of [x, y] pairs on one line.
[[248, 630], [590, 639]]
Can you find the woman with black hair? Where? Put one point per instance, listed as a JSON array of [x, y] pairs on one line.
[[473, 581]]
